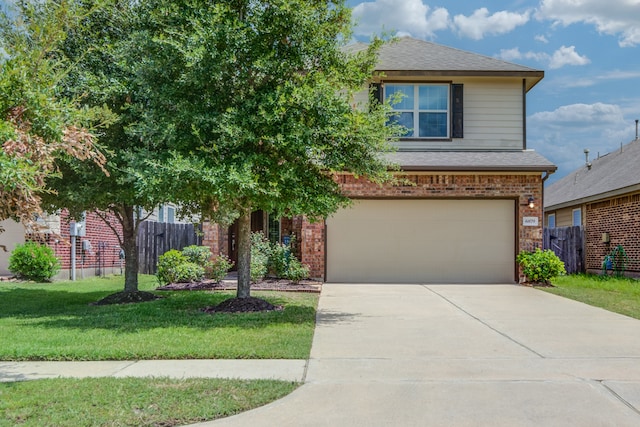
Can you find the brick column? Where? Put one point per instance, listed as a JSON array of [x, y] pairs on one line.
[[312, 247]]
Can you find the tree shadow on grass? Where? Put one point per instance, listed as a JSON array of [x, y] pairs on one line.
[[71, 310]]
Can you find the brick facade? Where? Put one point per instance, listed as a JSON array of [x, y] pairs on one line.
[[311, 246], [101, 255], [620, 217]]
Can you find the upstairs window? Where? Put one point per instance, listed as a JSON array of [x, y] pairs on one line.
[[551, 221], [423, 109]]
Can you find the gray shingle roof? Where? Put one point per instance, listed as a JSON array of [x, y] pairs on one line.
[[523, 160], [412, 54], [407, 56], [616, 171]]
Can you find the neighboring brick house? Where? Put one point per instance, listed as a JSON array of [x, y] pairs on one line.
[[463, 213], [98, 250], [603, 197]]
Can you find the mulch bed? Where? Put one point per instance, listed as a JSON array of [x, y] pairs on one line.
[[127, 298], [231, 285], [242, 305], [245, 305], [537, 284]]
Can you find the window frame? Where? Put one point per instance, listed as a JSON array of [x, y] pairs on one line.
[[416, 111], [549, 218], [274, 237], [171, 215], [573, 217]]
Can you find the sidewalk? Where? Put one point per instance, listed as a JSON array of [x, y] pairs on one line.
[[286, 370]]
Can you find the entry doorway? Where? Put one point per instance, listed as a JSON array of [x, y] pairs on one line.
[[276, 229]]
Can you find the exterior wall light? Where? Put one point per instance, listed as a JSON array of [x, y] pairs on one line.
[[530, 202]]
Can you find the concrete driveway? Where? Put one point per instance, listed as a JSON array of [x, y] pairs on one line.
[[461, 355]]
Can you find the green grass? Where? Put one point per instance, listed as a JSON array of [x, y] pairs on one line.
[[55, 322], [131, 401], [620, 295]]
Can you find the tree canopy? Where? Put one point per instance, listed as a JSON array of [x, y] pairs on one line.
[[37, 123], [256, 100], [222, 107]]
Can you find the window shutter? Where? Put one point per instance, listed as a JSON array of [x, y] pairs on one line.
[[376, 91], [457, 114]]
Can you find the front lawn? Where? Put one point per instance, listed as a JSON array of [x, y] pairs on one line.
[[131, 401], [55, 321], [620, 295]]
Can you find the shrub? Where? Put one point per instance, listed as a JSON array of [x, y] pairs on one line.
[[200, 255], [33, 261], [218, 268], [296, 270], [540, 266], [174, 267], [284, 264], [260, 253], [188, 272], [167, 264], [279, 260]]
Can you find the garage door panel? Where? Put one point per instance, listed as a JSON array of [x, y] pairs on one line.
[[426, 241]]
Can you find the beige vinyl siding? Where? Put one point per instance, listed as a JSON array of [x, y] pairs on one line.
[[361, 99], [13, 235], [492, 117], [492, 114], [564, 217]]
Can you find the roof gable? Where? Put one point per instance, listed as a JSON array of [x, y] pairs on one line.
[[616, 172], [407, 56]]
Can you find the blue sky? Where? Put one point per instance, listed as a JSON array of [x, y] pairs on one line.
[[589, 50]]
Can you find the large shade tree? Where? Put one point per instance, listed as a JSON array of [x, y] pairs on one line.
[[100, 48], [37, 123], [257, 101]]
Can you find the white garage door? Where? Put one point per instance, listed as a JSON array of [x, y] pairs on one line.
[[422, 241]]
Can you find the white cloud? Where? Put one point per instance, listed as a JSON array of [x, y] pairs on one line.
[[559, 58], [567, 56], [614, 17], [579, 116], [407, 17], [562, 135], [570, 82], [515, 54], [480, 23], [620, 75], [541, 38]]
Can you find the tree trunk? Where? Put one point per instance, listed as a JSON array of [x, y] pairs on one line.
[[130, 243], [244, 255]]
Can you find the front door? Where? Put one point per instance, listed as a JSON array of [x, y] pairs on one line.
[[257, 224]]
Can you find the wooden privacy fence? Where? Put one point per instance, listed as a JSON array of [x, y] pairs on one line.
[[568, 244], [156, 238]]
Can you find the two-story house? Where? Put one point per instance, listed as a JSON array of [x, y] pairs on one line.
[[472, 197]]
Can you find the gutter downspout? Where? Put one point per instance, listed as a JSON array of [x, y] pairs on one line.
[[546, 176], [524, 115]]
